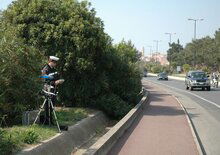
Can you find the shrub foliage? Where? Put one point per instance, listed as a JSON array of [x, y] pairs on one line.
[[97, 73]]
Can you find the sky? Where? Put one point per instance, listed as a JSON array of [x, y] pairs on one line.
[[143, 21]]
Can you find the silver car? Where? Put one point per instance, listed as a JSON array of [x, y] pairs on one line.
[[197, 79], [162, 76]]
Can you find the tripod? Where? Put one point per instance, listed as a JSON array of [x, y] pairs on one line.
[[3, 120], [48, 100]]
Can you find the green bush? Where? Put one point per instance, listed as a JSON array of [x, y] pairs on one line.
[[19, 81], [186, 67], [157, 69], [123, 77], [90, 64], [166, 69], [113, 106], [15, 138], [30, 136], [7, 144]]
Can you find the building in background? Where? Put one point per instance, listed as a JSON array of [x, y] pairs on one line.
[[161, 58]]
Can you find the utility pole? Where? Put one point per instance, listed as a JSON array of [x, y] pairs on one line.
[[143, 52], [170, 41], [150, 51], [157, 41], [195, 24], [170, 35]]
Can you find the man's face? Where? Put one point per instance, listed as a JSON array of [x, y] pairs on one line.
[[53, 63]]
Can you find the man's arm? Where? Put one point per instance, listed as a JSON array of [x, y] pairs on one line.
[[46, 71]]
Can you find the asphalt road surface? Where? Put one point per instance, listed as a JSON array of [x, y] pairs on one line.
[[203, 108]]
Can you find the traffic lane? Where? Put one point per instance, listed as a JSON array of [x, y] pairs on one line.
[[206, 118], [213, 95], [209, 100]]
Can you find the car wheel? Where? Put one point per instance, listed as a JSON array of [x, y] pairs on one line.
[[203, 88], [191, 88], [187, 88]]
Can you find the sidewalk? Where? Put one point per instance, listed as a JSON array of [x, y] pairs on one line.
[[162, 129]]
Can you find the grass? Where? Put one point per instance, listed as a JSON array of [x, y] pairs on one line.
[[43, 132], [15, 138], [69, 116]]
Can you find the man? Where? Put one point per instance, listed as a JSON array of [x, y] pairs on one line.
[[47, 70], [215, 78]]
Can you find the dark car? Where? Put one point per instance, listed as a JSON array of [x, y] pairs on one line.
[[197, 79], [145, 73], [162, 76]]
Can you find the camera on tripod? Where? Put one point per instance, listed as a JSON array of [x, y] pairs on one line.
[[49, 92], [49, 88]]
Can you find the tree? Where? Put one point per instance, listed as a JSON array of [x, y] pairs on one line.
[[127, 51], [19, 81], [71, 31], [173, 54], [186, 68], [201, 53], [94, 70], [217, 43], [204, 50]]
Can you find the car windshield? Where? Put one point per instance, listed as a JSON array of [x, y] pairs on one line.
[[163, 74], [198, 75]]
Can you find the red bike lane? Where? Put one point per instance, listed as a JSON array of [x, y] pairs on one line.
[[162, 129]]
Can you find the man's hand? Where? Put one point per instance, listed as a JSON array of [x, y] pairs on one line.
[[60, 81]]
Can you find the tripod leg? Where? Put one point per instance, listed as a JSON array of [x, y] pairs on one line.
[[1, 122], [58, 126], [5, 123], [41, 108], [49, 112]]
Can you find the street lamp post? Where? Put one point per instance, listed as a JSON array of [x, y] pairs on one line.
[[157, 41], [170, 35], [195, 24], [150, 51]]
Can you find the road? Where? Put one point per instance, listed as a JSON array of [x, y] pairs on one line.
[[203, 108], [161, 129]]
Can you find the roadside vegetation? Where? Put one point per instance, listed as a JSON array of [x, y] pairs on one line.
[[98, 74], [200, 54], [13, 139], [70, 116]]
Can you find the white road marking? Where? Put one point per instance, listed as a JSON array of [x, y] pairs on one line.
[[213, 103], [193, 129]]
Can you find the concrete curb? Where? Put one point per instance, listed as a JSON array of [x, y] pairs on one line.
[[196, 138], [105, 143], [170, 77], [67, 141]]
